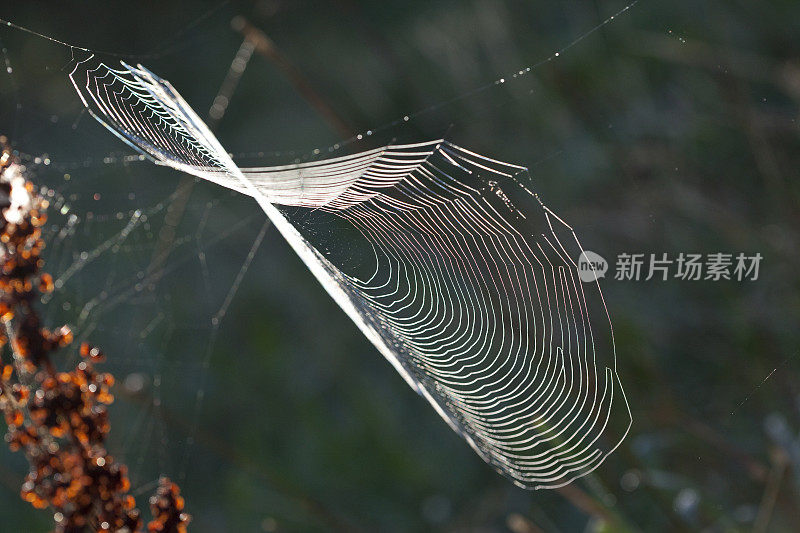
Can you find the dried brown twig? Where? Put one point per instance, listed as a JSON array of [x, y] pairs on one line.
[[59, 419]]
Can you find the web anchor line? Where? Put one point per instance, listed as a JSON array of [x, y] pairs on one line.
[[463, 281]]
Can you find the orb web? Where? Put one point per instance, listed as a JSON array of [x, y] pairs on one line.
[[445, 260], [100, 249]]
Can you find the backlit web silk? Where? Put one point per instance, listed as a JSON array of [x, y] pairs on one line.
[[476, 302]]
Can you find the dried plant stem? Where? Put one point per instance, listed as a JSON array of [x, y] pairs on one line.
[[59, 419]]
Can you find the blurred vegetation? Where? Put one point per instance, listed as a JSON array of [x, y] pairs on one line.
[[673, 129]]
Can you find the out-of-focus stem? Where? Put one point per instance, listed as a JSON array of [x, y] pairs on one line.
[[267, 48]]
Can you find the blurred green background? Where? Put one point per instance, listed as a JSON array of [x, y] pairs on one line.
[[673, 129]]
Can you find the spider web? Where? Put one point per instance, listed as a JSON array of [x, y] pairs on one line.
[[447, 263], [103, 266], [535, 408]]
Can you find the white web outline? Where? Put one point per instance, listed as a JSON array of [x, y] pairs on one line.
[[457, 288]]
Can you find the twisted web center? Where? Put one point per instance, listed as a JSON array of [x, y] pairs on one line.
[[458, 274]]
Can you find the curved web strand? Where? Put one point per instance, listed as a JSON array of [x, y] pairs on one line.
[[475, 302]]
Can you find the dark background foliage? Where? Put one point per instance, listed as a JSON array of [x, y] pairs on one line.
[[673, 129]]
